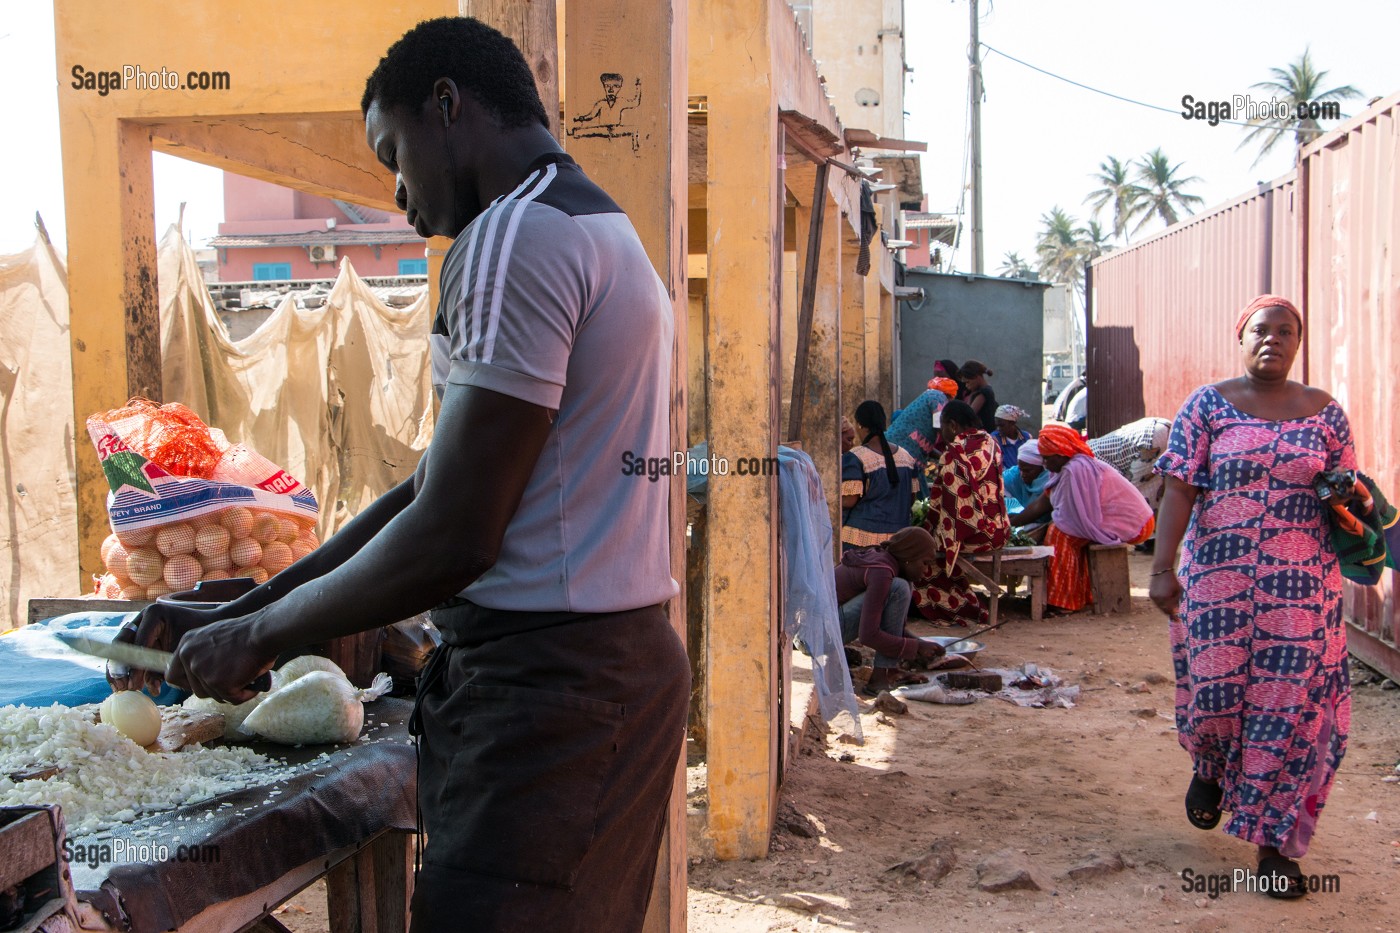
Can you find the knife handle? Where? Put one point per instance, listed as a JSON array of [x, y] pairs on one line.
[[262, 683]]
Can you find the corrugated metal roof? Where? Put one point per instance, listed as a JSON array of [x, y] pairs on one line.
[[942, 228], [335, 237]]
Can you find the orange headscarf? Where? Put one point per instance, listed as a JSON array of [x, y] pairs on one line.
[[1266, 301], [1060, 440], [948, 387]]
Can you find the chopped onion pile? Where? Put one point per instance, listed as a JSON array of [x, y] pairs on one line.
[[106, 778]]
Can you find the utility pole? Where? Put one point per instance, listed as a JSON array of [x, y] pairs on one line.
[[974, 90]]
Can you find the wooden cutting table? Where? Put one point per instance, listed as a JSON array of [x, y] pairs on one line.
[[348, 819]]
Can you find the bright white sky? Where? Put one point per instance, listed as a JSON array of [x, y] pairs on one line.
[[1041, 138]]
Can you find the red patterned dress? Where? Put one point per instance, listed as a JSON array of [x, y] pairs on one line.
[[1263, 694], [968, 517]]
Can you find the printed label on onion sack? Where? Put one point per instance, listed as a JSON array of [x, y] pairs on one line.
[[144, 495]]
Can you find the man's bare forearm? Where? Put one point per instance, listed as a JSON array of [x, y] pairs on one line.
[[484, 450], [336, 550], [405, 569]]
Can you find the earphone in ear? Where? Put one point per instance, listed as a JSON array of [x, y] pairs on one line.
[[445, 102]]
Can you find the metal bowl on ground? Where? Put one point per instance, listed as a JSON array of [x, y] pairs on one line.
[[955, 645]]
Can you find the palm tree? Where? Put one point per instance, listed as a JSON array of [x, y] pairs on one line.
[[1159, 190], [1014, 267], [1298, 83], [1116, 189], [1095, 241], [1060, 249]]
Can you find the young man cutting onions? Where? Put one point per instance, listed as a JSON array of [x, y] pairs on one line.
[[551, 720]]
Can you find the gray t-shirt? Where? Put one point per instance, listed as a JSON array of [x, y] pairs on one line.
[[548, 296]]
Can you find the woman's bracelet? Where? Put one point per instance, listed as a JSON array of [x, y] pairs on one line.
[[1158, 573]]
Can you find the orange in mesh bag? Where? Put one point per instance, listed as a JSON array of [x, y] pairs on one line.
[[170, 436]]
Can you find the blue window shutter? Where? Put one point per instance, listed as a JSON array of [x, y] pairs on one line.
[[271, 271]]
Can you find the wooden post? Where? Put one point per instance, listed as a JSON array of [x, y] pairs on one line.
[[436, 252], [888, 391], [852, 322], [821, 427], [810, 225], [626, 124], [532, 25], [871, 310], [114, 314], [371, 891], [733, 67]]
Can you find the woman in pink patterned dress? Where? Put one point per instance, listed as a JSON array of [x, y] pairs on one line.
[[1263, 700]]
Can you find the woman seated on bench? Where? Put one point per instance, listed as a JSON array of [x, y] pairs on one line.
[[1088, 502], [967, 515]]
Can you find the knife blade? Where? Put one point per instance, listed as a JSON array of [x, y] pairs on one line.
[[146, 659]]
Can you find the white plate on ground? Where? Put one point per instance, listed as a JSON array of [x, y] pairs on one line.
[[963, 646]]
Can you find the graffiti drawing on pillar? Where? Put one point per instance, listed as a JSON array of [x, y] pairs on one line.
[[608, 118]]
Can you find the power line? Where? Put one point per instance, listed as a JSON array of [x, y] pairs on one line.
[[1126, 100]]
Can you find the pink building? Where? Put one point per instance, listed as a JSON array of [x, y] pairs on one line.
[[932, 235], [272, 233]]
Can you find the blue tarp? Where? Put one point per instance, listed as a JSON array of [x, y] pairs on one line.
[[39, 670]]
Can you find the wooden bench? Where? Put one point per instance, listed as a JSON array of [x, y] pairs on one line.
[[1108, 578], [992, 568]]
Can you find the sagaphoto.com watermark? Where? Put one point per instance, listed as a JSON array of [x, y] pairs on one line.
[[1241, 108], [118, 850], [1245, 881], [685, 463], [103, 81]]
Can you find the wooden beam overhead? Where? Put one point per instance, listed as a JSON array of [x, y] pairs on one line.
[[864, 139], [320, 153], [809, 137]]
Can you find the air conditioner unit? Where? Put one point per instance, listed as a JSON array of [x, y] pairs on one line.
[[322, 253]]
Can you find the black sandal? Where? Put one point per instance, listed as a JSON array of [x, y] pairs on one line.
[[1203, 803], [1286, 878]]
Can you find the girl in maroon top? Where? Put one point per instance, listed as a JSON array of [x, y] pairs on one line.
[[872, 586]]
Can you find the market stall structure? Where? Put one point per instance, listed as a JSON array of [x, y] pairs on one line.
[[724, 137]]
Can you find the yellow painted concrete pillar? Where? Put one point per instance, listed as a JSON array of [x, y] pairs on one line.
[[626, 124], [732, 66]]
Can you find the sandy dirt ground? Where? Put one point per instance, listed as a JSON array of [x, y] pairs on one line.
[[1061, 788]]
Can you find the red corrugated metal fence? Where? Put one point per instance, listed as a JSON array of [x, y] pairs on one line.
[[1325, 235]]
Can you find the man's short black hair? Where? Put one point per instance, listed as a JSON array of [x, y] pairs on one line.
[[483, 62]]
